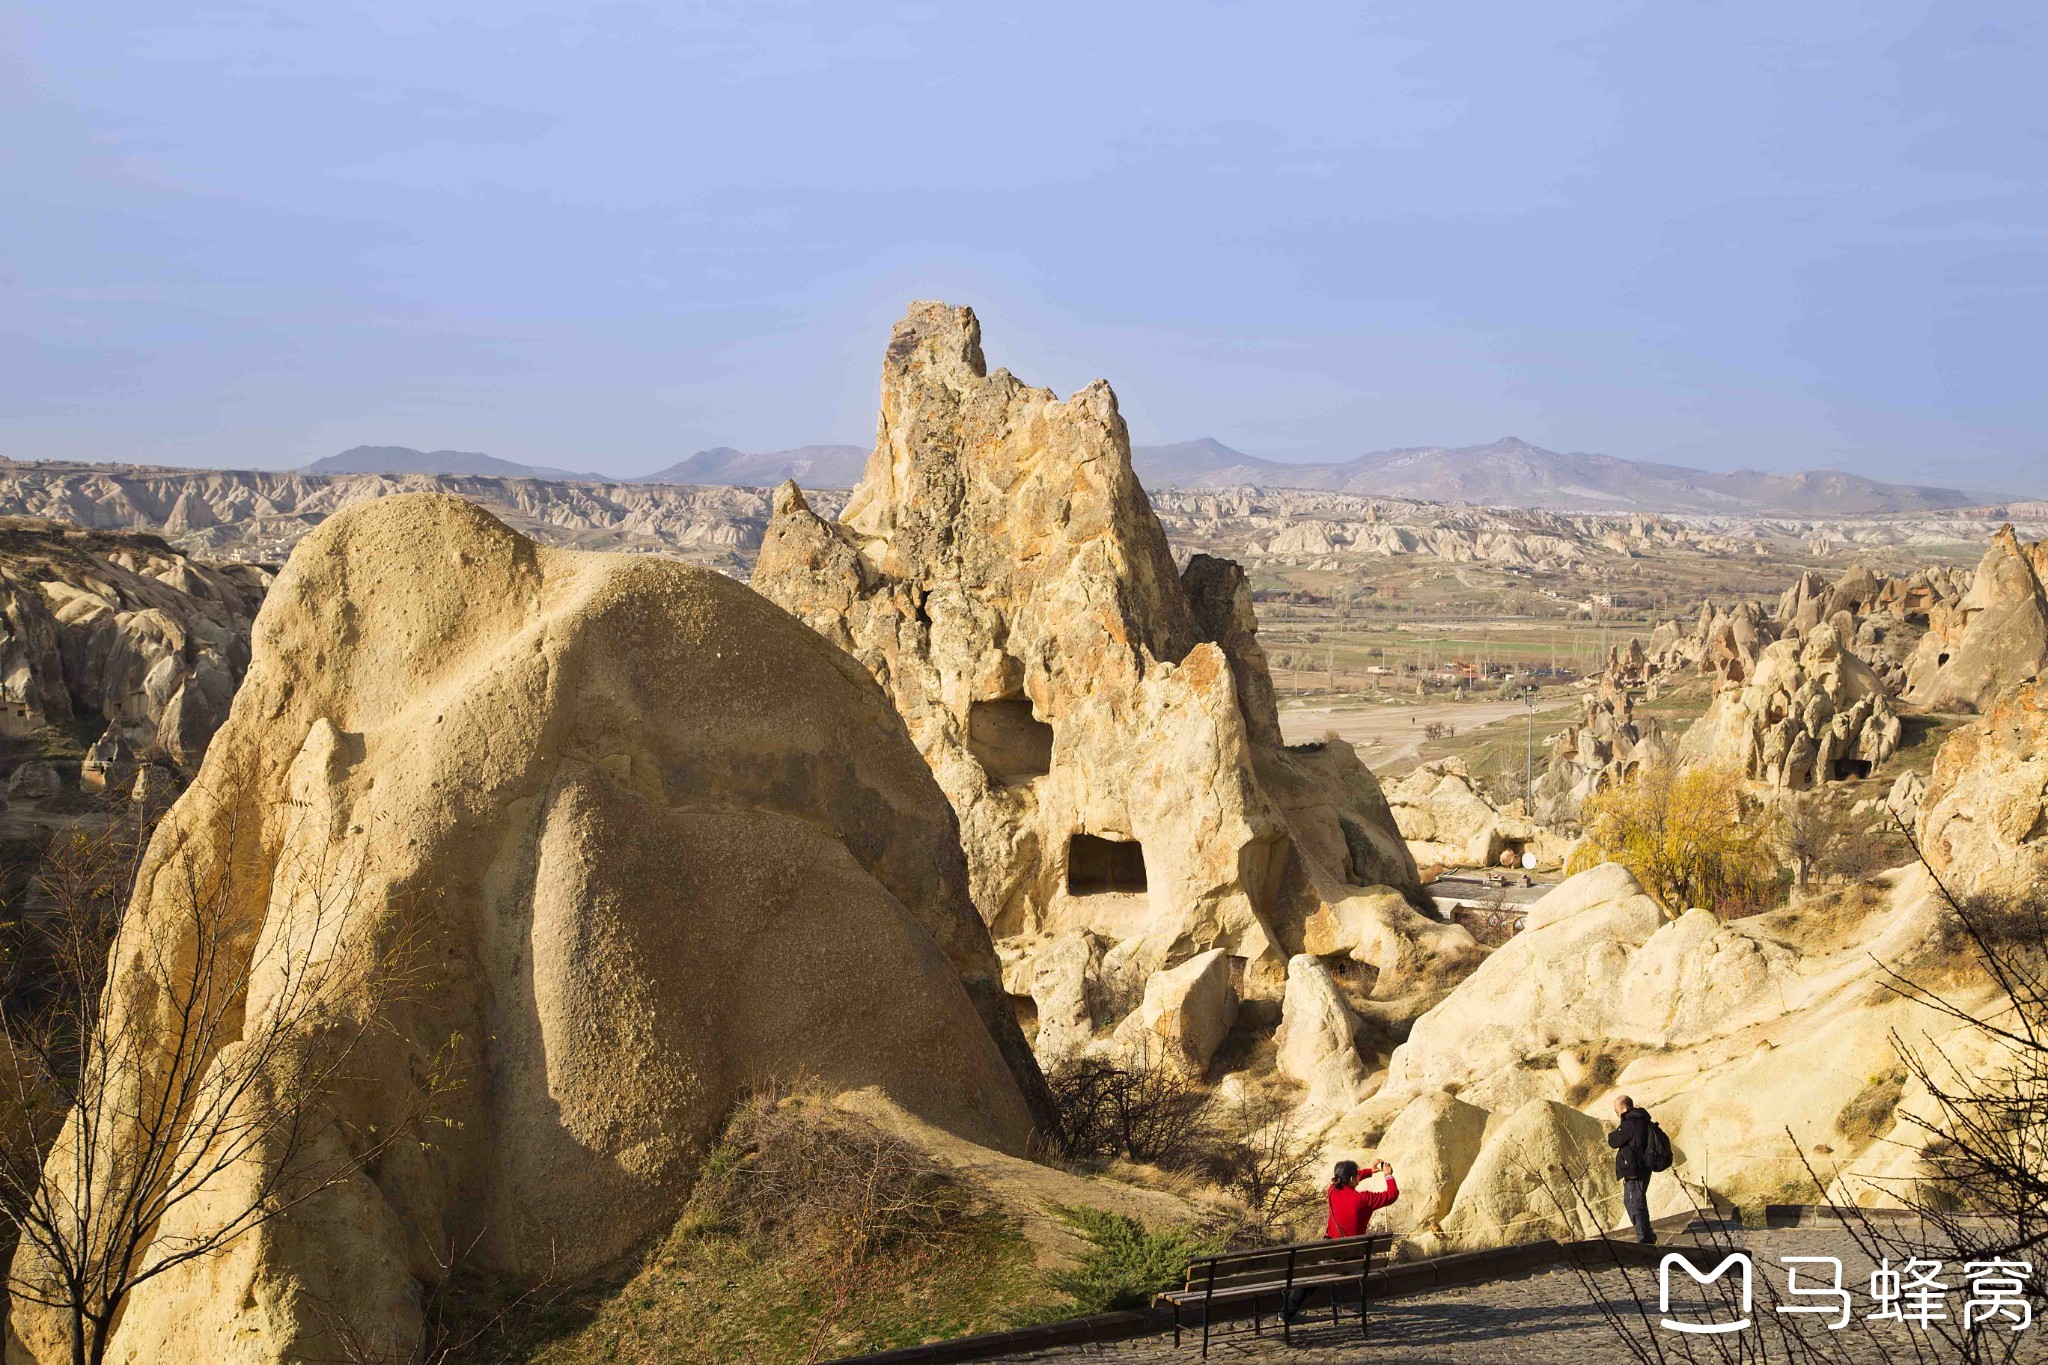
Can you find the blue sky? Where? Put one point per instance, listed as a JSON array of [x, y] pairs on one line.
[[606, 235]]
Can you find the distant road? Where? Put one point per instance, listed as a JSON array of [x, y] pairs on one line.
[[1387, 735]]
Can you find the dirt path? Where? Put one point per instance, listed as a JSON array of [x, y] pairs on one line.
[[1391, 734]]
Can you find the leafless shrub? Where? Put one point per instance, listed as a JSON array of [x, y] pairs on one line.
[[1254, 1149], [1139, 1109], [792, 1169], [461, 1313]]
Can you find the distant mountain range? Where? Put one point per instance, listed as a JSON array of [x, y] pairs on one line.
[[1513, 473], [826, 466], [811, 466], [406, 460], [1507, 473]]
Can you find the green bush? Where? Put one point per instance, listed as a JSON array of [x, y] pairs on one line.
[[1125, 1264]]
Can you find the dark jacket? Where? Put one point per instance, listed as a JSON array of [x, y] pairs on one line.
[[1630, 1139]]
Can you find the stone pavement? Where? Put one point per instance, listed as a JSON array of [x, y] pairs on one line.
[[1563, 1317]]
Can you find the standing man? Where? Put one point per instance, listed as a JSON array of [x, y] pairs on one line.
[[1631, 1142]]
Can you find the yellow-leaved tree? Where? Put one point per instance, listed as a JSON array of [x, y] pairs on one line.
[[1691, 835]]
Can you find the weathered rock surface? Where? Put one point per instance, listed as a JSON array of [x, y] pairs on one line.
[[1984, 814], [1993, 638], [653, 840], [1103, 724], [1449, 822], [122, 634], [1811, 713], [1185, 1015], [1731, 1034]]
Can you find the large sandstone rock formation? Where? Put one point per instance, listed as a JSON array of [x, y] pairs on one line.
[[1811, 713], [1723, 642], [1732, 1034], [1103, 724], [1992, 638], [648, 840], [121, 634], [1984, 815]]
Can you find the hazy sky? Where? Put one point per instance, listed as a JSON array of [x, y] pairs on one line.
[[605, 235]]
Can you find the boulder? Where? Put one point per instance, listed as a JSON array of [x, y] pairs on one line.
[[631, 837], [1317, 1039], [1185, 1016], [34, 781], [1447, 820], [1431, 1145]]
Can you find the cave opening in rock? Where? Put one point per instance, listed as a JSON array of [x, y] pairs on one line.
[[1010, 743], [1940, 659], [1096, 865], [1846, 768]]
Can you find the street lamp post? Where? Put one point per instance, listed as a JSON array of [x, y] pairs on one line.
[[1529, 776]]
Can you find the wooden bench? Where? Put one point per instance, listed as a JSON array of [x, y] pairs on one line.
[[1238, 1278]]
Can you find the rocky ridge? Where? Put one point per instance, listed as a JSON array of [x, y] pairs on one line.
[[258, 516]]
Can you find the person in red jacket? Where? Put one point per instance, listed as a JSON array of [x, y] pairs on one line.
[[1351, 1211]]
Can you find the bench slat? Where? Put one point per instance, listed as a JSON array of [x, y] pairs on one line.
[[1247, 1291], [1351, 1267], [1329, 1256]]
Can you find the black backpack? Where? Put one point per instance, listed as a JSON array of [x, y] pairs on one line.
[[1656, 1148]]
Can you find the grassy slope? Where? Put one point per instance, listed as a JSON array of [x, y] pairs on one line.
[[708, 1298]]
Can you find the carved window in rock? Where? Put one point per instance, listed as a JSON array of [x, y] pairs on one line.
[[1010, 743], [1097, 866]]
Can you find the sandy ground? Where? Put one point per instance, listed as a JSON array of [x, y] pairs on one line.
[[1385, 734]]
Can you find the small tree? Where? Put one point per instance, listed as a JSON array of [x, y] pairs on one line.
[[157, 1049], [1822, 839]]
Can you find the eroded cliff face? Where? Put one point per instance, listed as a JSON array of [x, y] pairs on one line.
[[1983, 819], [631, 839], [1103, 724], [1995, 636]]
